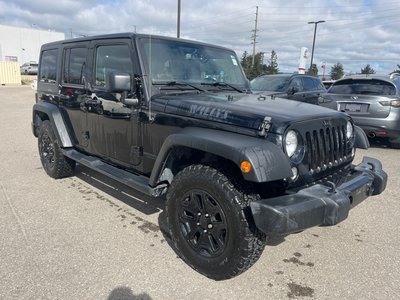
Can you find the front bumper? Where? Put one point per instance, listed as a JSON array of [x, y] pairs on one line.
[[319, 204]]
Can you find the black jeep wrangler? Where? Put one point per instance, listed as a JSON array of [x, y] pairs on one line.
[[165, 115]]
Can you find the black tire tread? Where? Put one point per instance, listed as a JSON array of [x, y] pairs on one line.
[[252, 241], [64, 166]]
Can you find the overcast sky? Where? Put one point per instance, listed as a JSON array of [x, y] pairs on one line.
[[356, 32]]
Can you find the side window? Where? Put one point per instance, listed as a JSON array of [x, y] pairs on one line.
[[297, 84], [74, 65], [309, 84], [48, 66], [112, 58]]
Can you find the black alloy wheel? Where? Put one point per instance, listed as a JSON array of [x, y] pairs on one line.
[[203, 224], [210, 223], [53, 160]]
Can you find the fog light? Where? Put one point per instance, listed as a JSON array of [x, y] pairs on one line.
[[295, 173]]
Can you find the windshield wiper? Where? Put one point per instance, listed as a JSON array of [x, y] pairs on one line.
[[223, 84], [179, 83]]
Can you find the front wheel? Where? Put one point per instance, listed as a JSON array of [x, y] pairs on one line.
[[210, 223]]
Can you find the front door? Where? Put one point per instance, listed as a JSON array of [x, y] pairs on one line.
[[113, 128]]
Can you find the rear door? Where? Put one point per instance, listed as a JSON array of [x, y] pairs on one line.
[[73, 91]]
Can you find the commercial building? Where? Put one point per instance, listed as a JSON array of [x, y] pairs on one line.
[[23, 44]]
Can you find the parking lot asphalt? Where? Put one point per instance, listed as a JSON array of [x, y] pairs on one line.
[[88, 237]]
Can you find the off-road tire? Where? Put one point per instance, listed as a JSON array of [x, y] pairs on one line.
[[53, 161], [210, 223]]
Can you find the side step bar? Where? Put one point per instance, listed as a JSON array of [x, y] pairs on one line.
[[137, 182]]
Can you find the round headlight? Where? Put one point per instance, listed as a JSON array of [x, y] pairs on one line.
[[349, 130], [291, 142]]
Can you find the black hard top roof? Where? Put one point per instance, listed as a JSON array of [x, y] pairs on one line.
[[125, 35]]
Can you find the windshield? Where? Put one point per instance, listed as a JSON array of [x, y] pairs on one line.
[[267, 83], [363, 87], [171, 61]]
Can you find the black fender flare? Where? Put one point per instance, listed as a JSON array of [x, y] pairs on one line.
[[268, 160], [56, 119], [361, 138]]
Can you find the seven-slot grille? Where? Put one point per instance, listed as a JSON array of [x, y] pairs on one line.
[[325, 147]]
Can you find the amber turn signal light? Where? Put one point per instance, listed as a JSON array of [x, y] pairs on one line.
[[245, 166]]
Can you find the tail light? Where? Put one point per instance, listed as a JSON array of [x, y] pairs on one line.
[[393, 103]]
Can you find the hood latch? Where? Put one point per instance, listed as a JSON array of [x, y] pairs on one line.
[[265, 126]]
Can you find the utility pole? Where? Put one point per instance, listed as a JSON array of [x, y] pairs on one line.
[[254, 37], [178, 23], [313, 44]]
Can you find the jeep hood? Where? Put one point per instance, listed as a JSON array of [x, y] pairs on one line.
[[242, 110]]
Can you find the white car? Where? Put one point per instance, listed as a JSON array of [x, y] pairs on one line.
[[29, 68]]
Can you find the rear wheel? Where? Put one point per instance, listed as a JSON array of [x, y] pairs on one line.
[[210, 223], [53, 161]]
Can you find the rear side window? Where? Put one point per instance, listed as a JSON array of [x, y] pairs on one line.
[[312, 84], [48, 66], [112, 58], [74, 65]]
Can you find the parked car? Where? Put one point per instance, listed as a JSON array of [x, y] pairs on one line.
[[372, 101], [29, 68], [298, 87], [171, 116]]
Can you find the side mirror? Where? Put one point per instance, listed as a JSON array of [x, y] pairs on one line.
[[118, 82], [292, 91], [121, 83]]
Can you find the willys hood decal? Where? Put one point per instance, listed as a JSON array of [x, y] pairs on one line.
[[244, 110]]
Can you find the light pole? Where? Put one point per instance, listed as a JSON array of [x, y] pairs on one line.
[[178, 22], [313, 44]]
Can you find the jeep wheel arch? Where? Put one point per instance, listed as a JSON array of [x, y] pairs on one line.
[[52, 113], [268, 161]]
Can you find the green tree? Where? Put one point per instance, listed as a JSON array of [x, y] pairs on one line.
[[257, 68], [272, 67], [397, 70], [337, 71], [313, 70], [245, 61], [367, 70]]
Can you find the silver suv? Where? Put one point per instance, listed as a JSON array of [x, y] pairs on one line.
[[29, 68], [372, 101]]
